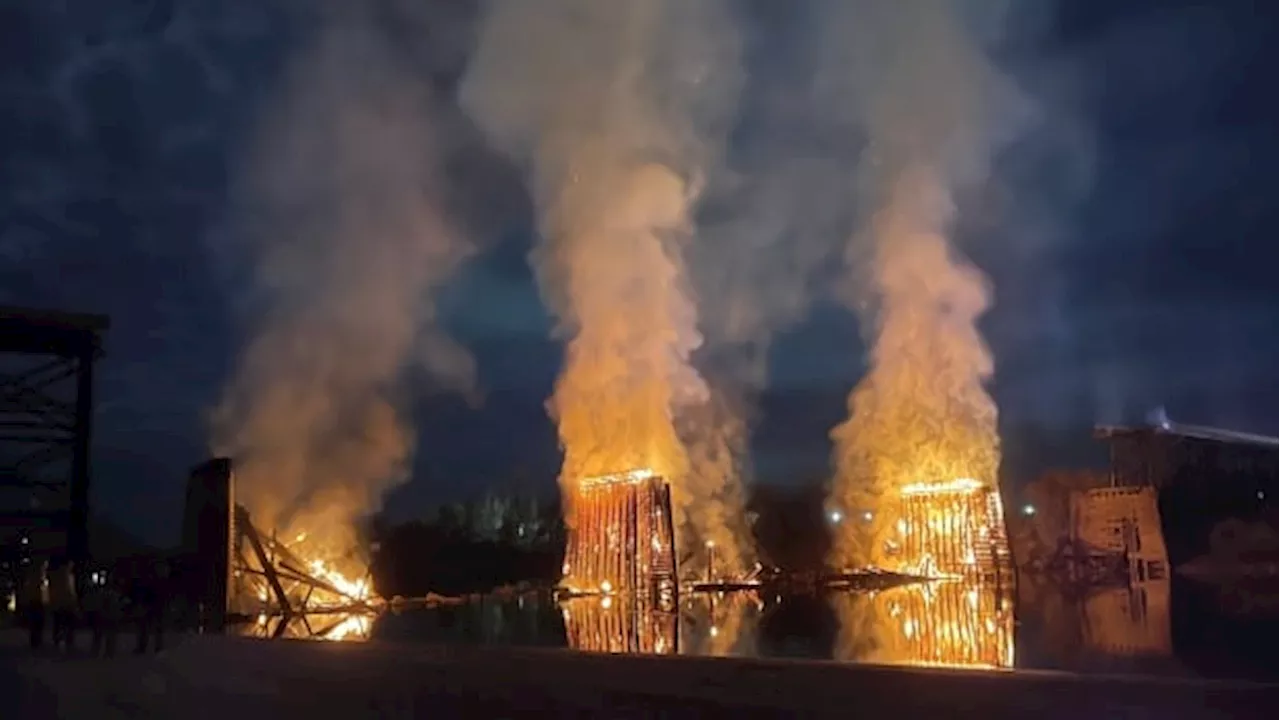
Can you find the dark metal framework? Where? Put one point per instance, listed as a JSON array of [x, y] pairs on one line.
[[1204, 477], [46, 413]]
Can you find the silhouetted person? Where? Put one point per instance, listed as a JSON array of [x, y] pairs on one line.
[[149, 599], [64, 604], [34, 599], [102, 610]]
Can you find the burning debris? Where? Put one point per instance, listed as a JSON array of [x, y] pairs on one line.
[[622, 539], [295, 597], [239, 574]]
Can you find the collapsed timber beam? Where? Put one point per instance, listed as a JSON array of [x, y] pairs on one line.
[[237, 572], [276, 562], [248, 532]]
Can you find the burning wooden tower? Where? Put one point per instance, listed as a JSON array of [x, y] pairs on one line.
[[622, 538], [952, 528]]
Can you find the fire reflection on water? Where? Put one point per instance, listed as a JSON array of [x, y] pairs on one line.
[[707, 624], [720, 624], [948, 623], [336, 627], [619, 624]]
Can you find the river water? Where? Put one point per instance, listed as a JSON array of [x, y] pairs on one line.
[[1165, 627]]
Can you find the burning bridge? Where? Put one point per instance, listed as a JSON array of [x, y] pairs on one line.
[[953, 528], [235, 572], [622, 538]]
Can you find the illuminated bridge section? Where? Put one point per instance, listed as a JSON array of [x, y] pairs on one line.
[[622, 539], [951, 529]]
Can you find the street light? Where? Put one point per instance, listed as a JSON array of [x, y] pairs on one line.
[[1028, 510], [711, 560], [836, 517]]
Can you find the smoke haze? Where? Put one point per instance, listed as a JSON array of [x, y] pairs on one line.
[[337, 207], [914, 78], [774, 221], [618, 109]]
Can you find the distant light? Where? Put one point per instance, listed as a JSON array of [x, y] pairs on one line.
[[26, 541], [1262, 495], [836, 517], [606, 587], [714, 631], [1028, 510], [711, 544], [867, 516]]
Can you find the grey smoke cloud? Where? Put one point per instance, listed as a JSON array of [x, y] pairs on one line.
[[338, 212], [618, 112], [916, 79]]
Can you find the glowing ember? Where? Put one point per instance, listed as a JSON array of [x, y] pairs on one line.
[[352, 627], [959, 485], [357, 590], [632, 477]]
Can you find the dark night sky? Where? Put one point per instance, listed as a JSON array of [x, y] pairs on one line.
[[1133, 258]]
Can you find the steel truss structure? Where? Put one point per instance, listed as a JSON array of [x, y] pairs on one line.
[[46, 416]]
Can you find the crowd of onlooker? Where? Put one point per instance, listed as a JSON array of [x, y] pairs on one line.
[[56, 602]]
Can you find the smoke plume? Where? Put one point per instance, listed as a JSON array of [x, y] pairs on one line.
[[618, 109], [346, 242], [913, 76]]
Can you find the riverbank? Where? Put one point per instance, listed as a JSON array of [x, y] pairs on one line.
[[219, 677]]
